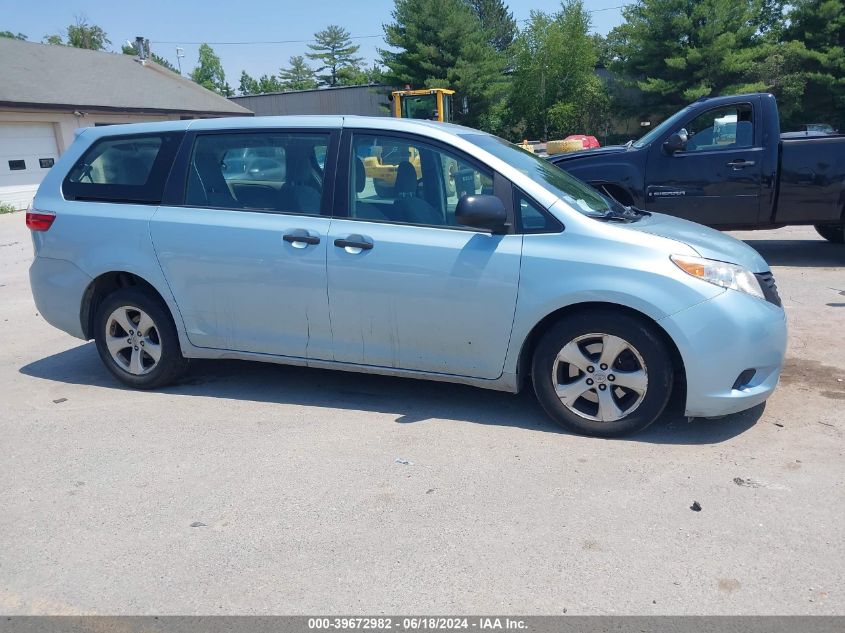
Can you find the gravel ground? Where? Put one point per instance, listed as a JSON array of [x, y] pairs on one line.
[[255, 488]]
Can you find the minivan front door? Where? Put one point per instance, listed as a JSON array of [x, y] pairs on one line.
[[717, 178], [408, 287], [245, 254]]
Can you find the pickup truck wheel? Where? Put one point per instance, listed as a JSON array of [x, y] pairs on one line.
[[832, 232], [136, 339], [602, 373]]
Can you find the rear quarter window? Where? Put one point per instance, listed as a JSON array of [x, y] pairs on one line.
[[131, 169]]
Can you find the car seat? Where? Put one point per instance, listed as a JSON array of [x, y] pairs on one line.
[[407, 206], [298, 194]]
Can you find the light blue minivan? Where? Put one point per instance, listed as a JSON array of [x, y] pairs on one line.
[[475, 262]]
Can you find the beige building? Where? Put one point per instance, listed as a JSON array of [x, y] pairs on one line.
[[49, 92]]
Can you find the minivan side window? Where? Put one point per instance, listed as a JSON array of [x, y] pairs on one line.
[[399, 179], [131, 169], [276, 172]]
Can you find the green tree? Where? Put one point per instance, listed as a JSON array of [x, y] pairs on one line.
[[299, 75], [360, 76], [131, 49], [680, 50], [555, 90], [334, 52], [13, 36], [440, 43], [497, 21], [812, 71], [81, 35], [248, 84], [209, 72]]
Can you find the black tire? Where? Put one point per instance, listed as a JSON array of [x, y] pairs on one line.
[[832, 232], [170, 365], [383, 190], [646, 348]]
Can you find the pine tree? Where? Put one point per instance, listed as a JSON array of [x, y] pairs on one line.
[[815, 42], [333, 51], [441, 45], [298, 76], [497, 20], [248, 84], [680, 50]]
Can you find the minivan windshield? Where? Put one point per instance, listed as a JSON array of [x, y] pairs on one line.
[[577, 194]]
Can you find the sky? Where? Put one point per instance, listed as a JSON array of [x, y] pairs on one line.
[[186, 23]]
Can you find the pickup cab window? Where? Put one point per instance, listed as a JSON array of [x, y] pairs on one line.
[[728, 127]]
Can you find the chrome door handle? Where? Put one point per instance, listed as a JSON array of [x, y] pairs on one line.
[[740, 163]]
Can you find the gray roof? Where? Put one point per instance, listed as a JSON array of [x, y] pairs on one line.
[[58, 77]]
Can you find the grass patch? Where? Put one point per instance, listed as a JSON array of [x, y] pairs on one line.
[[5, 207]]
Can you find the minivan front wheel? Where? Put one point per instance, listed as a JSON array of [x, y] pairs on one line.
[[136, 339], [602, 373]]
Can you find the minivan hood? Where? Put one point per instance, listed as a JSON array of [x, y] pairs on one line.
[[707, 242]]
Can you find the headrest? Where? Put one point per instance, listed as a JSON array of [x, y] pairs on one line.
[[297, 164], [360, 174], [406, 179], [744, 133]]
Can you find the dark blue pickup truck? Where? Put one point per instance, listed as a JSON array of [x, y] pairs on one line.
[[723, 162]]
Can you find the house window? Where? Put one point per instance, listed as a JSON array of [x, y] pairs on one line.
[[17, 165], [46, 163]]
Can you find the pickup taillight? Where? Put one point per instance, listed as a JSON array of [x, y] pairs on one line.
[[39, 220]]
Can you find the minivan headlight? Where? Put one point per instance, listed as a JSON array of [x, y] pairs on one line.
[[720, 273]]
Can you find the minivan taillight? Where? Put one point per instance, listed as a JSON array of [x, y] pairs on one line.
[[39, 220]]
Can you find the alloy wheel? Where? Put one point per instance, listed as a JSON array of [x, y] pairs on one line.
[[600, 377], [133, 340]]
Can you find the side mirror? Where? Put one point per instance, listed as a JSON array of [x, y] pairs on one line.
[[676, 143], [482, 212]]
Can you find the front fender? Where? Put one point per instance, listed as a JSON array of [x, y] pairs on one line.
[[615, 268]]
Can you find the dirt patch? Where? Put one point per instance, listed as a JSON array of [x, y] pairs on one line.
[[811, 374], [833, 395], [729, 585], [591, 545]]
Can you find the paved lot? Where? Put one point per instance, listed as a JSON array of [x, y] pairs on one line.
[[291, 478]]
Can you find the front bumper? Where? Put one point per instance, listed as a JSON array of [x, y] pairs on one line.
[[721, 338], [58, 287]]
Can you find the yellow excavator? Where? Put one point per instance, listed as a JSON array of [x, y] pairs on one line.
[[429, 104]]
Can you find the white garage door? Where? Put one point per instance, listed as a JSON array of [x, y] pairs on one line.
[[27, 151]]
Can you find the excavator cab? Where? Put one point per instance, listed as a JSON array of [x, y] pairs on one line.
[[430, 104]]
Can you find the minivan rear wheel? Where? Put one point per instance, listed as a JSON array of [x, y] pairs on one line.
[[602, 373], [136, 339]]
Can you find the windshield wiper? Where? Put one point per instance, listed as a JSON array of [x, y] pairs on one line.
[[625, 214]]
